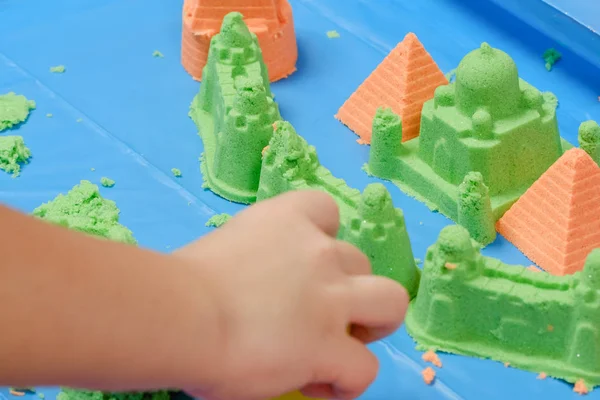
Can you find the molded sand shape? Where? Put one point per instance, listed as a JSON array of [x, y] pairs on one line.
[[271, 21], [484, 140], [484, 308], [234, 112], [368, 221], [403, 81], [556, 223]]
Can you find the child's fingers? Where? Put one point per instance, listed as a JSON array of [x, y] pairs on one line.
[[352, 261], [349, 369], [318, 206], [378, 307]]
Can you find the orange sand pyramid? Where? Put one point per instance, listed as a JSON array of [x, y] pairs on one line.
[[270, 20], [556, 223], [403, 81]]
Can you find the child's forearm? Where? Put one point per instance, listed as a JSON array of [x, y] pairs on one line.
[[83, 312]]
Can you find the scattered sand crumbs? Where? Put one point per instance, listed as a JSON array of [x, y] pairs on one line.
[[432, 357], [16, 392], [580, 387], [550, 328], [107, 182], [506, 364], [176, 172], [428, 375], [59, 69], [157, 54], [542, 375], [333, 34]]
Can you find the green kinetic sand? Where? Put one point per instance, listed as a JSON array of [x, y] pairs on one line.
[[488, 121], [13, 153], [218, 220], [84, 210], [107, 182], [551, 57], [72, 394], [158, 54], [589, 139], [368, 221], [477, 306], [176, 172], [14, 109], [59, 69], [333, 34], [234, 112]]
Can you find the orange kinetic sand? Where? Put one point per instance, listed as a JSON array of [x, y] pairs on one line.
[[403, 81], [270, 20], [432, 357], [556, 223], [428, 375], [580, 387]]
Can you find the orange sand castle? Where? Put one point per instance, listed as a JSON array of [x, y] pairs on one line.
[[403, 81], [270, 20], [556, 223]]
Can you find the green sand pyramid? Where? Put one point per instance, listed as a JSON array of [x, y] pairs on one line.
[[488, 122], [477, 306], [234, 112]]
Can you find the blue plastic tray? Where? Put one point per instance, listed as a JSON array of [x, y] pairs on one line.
[[135, 127]]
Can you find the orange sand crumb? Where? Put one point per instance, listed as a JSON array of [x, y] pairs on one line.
[[550, 328], [506, 364], [533, 268], [580, 387], [433, 358], [16, 393], [264, 150], [450, 265], [542, 375], [361, 141], [428, 375]]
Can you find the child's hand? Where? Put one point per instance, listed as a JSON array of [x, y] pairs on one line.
[[287, 290]]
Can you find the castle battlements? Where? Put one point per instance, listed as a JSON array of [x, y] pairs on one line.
[[475, 305]]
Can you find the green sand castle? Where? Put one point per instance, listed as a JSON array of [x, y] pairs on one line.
[[488, 122], [234, 112], [83, 209], [475, 305], [369, 221]]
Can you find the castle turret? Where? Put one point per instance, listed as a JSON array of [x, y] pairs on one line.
[[378, 230], [288, 158], [488, 78], [247, 130], [385, 142], [475, 208], [589, 139], [234, 112]]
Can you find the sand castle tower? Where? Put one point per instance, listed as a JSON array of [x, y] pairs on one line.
[[270, 20], [234, 111], [379, 231]]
